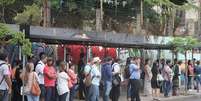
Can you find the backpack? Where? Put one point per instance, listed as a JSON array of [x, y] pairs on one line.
[[88, 78], [142, 74], [3, 76]]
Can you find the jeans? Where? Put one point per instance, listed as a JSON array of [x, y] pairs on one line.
[[50, 94], [93, 94], [198, 82], [107, 89], [63, 97], [73, 91], [166, 87], [190, 81], [135, 90], [4, 95], [32, 98]]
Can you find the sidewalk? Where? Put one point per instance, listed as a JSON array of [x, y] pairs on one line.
[[190, 95]]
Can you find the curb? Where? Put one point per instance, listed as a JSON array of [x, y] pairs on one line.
[[181, 98]]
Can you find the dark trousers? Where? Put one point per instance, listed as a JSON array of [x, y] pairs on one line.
[[73, 91], [82, 89], [115, 93], [4, 96], [189, 82], [135, 90], [63, 97], [167, 88], [50, 94]]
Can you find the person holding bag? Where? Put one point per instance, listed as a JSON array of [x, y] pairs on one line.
[[116, 81], [30, 79]]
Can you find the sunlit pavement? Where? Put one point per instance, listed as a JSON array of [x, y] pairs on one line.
[[190, 96]]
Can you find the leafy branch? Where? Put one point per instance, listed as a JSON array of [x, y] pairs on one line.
[[182, 44], [15, 38]]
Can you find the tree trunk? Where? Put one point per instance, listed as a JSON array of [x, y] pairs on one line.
[[3, 15], [98, 20], [47, 13]]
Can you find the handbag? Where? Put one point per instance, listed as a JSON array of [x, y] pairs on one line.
[[88, 79], [116, 80], [35, 89], [160, 77]]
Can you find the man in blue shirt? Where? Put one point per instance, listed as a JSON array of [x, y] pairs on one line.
[[134, 69], [106, 72]]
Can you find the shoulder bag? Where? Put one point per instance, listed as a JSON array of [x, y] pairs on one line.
[[35, 89]]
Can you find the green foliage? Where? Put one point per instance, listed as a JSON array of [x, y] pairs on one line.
[[182, 44], [17, 38], [30, 14], [3, 30], [6, 2], [55, 4]]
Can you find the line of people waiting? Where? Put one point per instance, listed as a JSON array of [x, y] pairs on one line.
[[61, 83]]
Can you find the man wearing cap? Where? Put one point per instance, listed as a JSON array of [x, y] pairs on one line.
[[106, 72], [93, 70]]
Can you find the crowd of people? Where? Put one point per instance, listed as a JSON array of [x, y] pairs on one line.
[[47, 80]]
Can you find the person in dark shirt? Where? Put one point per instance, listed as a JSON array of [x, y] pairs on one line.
[[198, 75], [106, 73]]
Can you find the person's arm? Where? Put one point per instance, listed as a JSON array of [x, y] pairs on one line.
[[136, 67], [9, 83], [145, 71], [48, 74]]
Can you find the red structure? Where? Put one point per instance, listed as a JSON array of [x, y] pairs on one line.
[[75, 50]]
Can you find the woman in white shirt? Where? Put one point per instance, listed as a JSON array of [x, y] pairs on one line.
[[62, 82]]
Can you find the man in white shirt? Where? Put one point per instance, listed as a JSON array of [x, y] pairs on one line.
[[39, 70], [5, 81]]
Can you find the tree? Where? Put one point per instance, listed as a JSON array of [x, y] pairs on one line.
[[31, 14], [17, 38], [3, 4]]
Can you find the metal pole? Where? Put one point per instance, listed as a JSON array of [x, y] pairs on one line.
[[118, 52], [20, 52], [23, 61], [64, 53], [192, 54], [87, 52]]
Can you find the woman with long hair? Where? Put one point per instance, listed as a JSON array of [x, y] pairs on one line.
[[62, 82], [155, 84], [147, 78], [28, 77]]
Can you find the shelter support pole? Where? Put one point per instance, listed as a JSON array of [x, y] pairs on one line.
[[118, 52], [159, 54], [185, 72], [64, 53], [20, 52], [23, 63], [173, 56], [88, 53], [192, 54]]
